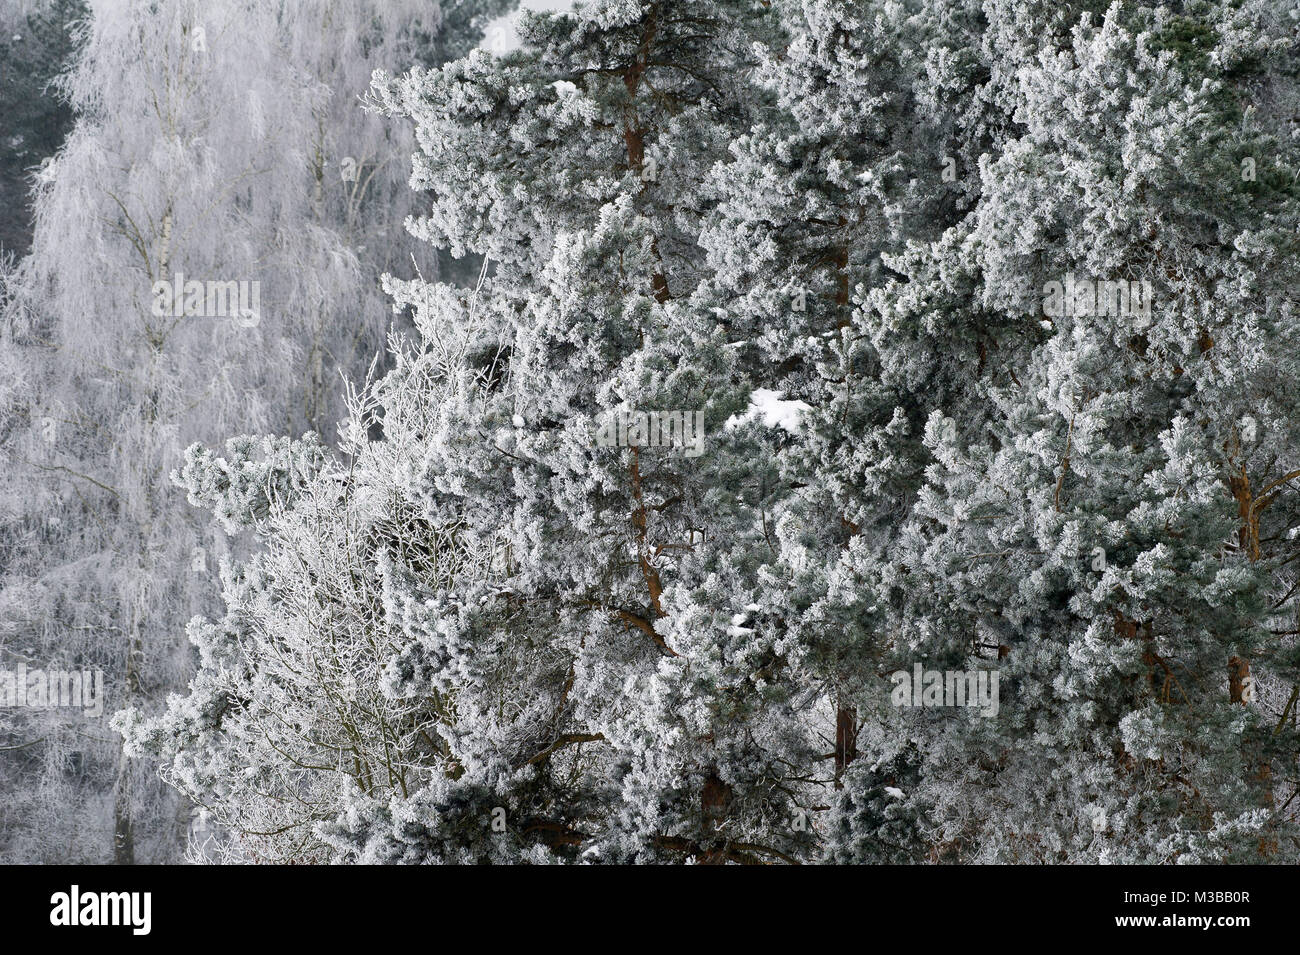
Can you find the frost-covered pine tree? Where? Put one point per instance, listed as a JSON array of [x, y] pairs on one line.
[[1109, 509], [600, 673], [861, 156], [810, 198]]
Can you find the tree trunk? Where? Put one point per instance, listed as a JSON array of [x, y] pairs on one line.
[[846, 741]]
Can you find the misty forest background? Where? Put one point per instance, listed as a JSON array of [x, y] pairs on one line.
[[365, 587]]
